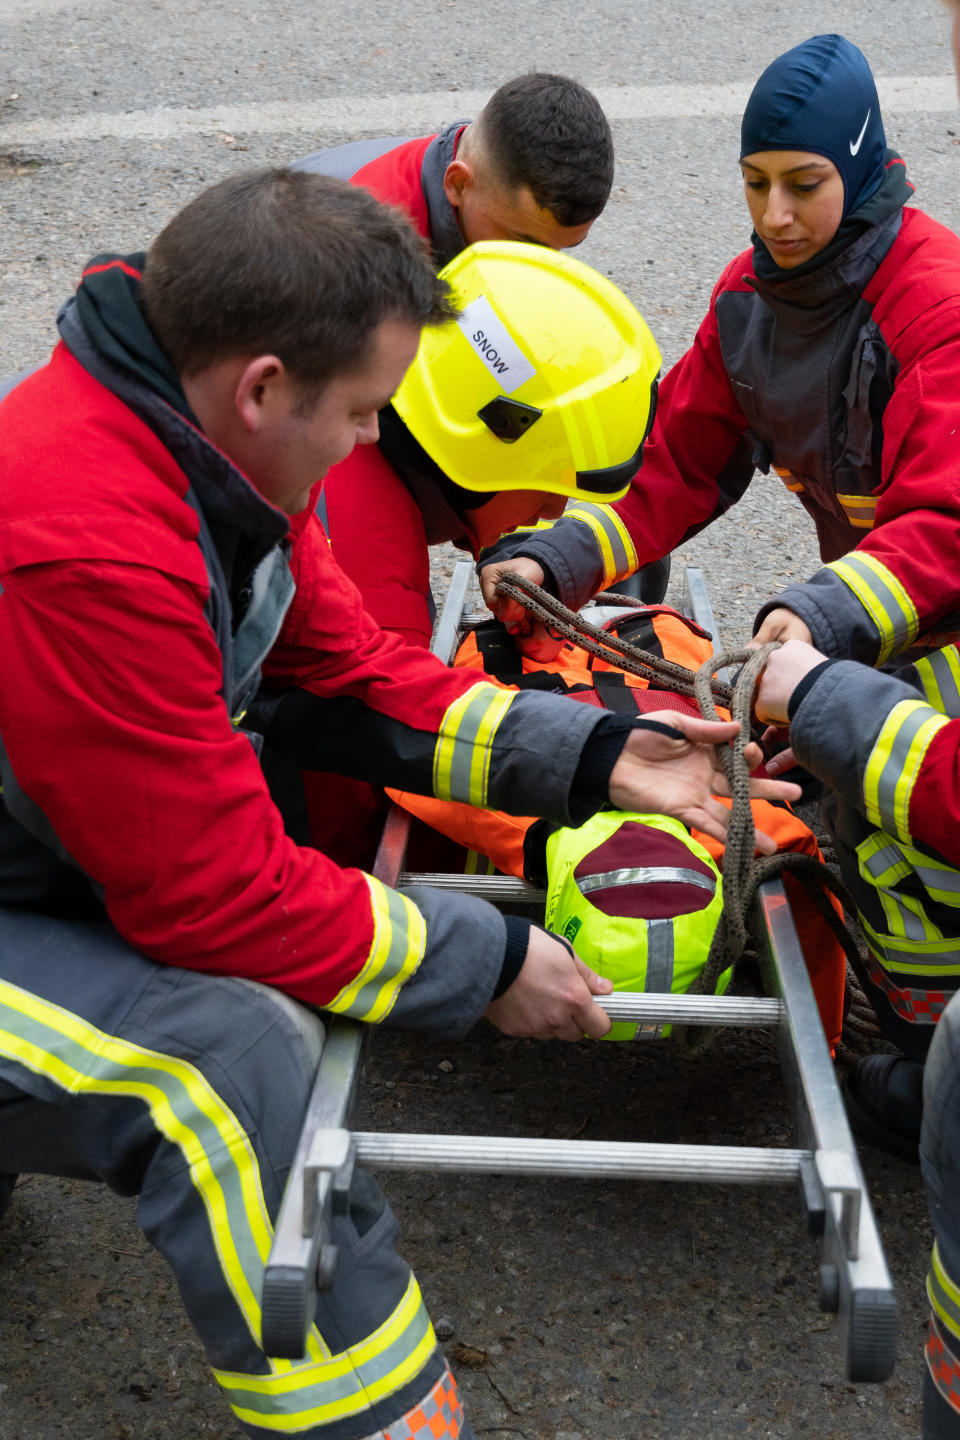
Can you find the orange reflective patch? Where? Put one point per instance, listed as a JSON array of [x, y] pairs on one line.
[[439, 1415], [943, 1367]]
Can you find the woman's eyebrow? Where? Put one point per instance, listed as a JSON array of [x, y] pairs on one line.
[[808, 165]]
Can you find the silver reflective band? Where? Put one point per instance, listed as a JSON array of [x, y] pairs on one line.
[[645, 875], [659, 957]]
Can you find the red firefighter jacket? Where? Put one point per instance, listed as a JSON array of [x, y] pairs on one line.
[[844, 383], [131, 639], [407, 173]]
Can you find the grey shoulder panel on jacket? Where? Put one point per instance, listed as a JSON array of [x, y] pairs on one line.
[[343, 161]]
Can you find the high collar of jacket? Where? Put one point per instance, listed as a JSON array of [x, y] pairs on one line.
[[439, 499], [446, 237], [836, 276], [104, 328]]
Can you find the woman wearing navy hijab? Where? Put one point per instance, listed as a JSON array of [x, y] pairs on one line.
[[830, 355]]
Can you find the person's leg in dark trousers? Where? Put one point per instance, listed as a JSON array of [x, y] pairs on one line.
[[940, 1159], [190, 1091]]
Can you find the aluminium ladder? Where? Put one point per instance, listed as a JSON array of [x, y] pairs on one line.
[[854, 1279]]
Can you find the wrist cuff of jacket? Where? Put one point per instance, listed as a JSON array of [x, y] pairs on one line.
[[549, 580], [518, 942], [591, 782], [807, 683]]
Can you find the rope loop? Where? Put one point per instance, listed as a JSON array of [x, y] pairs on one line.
[[742, 870]]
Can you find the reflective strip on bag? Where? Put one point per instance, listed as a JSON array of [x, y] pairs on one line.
[[644, 875], [478, 864]]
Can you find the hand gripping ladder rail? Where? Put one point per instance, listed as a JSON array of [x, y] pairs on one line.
[[854, 1280]]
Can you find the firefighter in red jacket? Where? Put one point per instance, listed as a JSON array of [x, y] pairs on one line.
[[541, 391], [155, 918], [829, 356], [535, 165], [848, 726]]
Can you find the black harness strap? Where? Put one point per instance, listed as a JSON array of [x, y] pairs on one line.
[[615, 694]]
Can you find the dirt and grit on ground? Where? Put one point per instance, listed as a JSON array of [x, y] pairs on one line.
[[571, 1310]]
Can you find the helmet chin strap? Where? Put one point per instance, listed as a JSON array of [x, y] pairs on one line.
[[412, 462]]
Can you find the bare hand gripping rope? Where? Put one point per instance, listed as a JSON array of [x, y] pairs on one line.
[[743, 871]]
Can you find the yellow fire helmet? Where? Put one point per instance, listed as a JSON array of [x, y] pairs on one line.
[[547, 380]]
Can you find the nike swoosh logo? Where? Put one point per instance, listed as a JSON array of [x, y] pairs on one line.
[[855, 148]]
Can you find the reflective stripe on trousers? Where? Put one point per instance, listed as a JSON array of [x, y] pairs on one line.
[[908, 906], [190, 1090], [940, 1159]]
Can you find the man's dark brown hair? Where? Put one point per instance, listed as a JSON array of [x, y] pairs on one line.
[[548, 132], [286, 263]]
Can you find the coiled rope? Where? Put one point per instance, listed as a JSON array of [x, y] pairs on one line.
[[742, 870]]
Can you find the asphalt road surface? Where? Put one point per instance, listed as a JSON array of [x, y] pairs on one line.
[[580, 1310]]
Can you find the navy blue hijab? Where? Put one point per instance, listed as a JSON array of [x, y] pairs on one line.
[[821, 96]]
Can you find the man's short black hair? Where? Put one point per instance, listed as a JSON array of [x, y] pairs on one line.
[[549, 132], [287, 263]]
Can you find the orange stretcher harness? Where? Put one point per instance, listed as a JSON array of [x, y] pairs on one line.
[[502, 839]]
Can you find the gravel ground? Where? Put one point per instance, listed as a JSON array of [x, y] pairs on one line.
[[579, 1310]]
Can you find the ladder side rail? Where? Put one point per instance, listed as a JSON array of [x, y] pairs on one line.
[[696, 604], [855, 1280]]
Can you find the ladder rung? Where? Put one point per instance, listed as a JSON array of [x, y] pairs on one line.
[[719, 1010], [496, 888], [500, 1155]]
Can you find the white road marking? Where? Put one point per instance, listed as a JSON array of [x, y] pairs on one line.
[[349, 115]]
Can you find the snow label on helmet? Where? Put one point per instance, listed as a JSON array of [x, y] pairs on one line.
[[492, 342]]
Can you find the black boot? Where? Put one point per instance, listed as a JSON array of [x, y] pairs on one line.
[[7, 1184], [884, 1099]]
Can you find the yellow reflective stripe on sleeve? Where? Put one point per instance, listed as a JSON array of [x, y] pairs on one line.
[[617, 550], [894, 763], [478, 864], [943, 1293], [399, 942], [860, 510], [341, 1385], [461, 758], [939, 675], [884, 599]]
